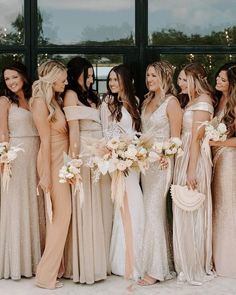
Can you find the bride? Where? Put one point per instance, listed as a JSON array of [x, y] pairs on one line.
[[120, 115]]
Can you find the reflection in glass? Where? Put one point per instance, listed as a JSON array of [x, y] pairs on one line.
[[202, 22], [211, 62], [87, 22], [12, 22], [102, 65]]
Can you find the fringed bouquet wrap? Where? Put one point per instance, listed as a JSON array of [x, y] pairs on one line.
[[7, 155], [71, 171]]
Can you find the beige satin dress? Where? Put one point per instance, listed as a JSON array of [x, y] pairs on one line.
[[156, 254], [91, 224], [192, 230], [224, 209], [19, 220], [56, 232]]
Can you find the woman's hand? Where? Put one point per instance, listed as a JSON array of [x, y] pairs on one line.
[[163, 162], [1, 168], [191, 180], [45, 183], [72, 181], [215, 143]]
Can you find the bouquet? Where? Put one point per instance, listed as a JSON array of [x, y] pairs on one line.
[[71, 171], [214, 130], [7, 155], [166, 149]]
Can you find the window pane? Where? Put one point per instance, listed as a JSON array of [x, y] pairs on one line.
[[102, 65], [86, 22], [12, 22], [211, 62], [202, 22]]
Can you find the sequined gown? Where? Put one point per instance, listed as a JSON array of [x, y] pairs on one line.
[[19, 220], [135, 202], [192, 231], [155, 184], [56, 231], [91, 224], [224, 209]]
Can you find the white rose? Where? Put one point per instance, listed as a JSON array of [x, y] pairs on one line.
[[222, 128], [11, 155], [158, 147]]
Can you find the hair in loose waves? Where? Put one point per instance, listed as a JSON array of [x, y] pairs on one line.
[[165, 72], [115, 102], [48, 73], [197, 81], [229, 117], [22, 71]]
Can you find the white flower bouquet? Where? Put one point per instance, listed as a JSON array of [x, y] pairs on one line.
[[214, 130], [70, 171], [7, 155], [167, 148]]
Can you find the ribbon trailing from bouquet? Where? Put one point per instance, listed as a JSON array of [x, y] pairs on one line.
[[120, 198], [49, 206], [80, 189], [6, 176]]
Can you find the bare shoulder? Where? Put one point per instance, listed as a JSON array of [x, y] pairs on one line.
[[173, 103], [70, 98], [4, 102], [38, 106], [204, 98]]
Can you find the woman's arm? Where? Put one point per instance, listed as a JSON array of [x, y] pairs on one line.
[[175, 115], [4, 108], [197, 135], [105, 116], [71, 99], [40, 117]]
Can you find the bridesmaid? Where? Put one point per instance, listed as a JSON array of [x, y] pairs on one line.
[[51, 124], [224, 176], [19, 220], [120, 115], [162, 117], [192, 230], [91, 224]]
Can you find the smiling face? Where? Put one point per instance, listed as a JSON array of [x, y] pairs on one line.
[[152, 79], [114, 83], [61, 82], [182, 82], [13, 80], [222, 82]]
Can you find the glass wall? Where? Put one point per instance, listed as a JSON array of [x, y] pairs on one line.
[[202, 22], [86, 22], [12, 22]]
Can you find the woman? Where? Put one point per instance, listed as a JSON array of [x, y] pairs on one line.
[[91, 224], [120, 115], [51, 124], [161, 117], [192, 230], [19, 220], [224, 176]]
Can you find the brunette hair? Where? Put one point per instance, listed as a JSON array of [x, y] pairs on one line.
[[21, 69], [76, 67], [115, 102]]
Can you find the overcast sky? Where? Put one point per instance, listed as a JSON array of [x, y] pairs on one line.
[[115, 19]]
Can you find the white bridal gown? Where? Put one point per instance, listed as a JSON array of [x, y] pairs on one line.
[[135, 202]]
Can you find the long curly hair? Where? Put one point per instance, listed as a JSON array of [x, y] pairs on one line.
[[22, 71], [115, 102], [229, 117], [197, 81], [76, 67], [165, 72], [48, 73]]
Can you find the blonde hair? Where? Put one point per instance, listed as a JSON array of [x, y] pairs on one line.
[[165, 72], [197, 81], [48, 73]]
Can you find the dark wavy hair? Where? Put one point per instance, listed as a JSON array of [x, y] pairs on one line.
[[115, 102], [229, 117], [76, 67], [22, 70], [225, 67]]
